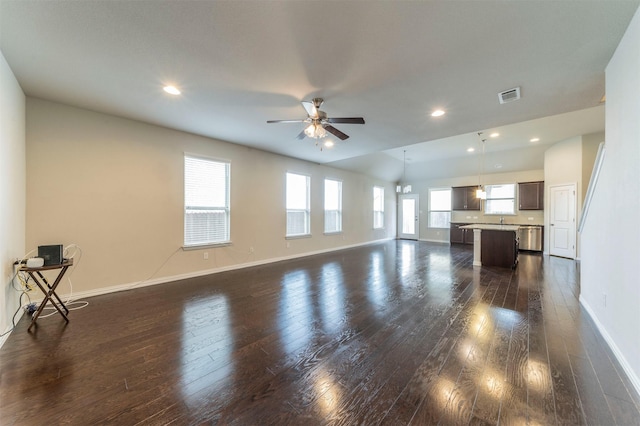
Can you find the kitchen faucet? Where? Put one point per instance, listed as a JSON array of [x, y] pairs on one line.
[[501, 220]]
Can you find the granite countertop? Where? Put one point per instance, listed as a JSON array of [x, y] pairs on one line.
[[492, 226]]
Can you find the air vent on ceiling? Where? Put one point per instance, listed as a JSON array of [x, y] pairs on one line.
[[509, 95]]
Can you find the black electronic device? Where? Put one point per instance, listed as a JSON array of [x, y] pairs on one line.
[[52, 255]]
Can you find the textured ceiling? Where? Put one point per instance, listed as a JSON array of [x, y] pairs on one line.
[[241, 63]]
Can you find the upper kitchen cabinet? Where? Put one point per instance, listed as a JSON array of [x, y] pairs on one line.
[[464, 198], [531, 195]]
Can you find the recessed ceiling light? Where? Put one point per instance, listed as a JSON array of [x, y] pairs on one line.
[[437, 113], [534, 140], [494, 134], [328, 144], [172, 90], [470, 149]]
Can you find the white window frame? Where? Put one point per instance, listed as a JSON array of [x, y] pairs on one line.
[[378, 209], [432, 210], [214, 235], [488, 201], [337, 213], [306, 210]]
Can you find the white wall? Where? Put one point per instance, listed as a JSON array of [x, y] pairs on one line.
[[562, 166], [115, 187], [442, 235], [12, 187], [610, 249]]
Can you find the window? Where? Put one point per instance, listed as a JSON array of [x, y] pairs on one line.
[[439, 208], [501, 199], [378, 207], [206, 201], [332, 205], [298, 210]]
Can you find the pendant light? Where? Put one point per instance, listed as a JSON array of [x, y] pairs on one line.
[[480, 192], [404, 187]]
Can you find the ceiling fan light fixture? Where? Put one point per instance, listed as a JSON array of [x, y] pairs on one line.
[[315, 131]]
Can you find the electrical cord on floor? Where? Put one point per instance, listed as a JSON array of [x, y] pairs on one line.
[[13, 320], [68, 305]]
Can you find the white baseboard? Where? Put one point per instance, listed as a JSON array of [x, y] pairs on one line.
[[635, 380], [429, 240]]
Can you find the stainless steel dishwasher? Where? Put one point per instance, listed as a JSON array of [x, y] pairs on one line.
[[530, 237]]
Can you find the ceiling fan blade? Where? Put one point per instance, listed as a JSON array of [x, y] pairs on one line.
[[310, 108], [301, 135], [335, 132], [351, 120], [285, 121]]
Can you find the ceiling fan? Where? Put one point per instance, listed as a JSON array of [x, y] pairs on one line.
[[319, 123]]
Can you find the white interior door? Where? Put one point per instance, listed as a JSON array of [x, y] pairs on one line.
[[562, 221], [408, 221]]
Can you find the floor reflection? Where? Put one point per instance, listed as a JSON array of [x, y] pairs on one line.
[[538, 376], [406, 260], [295, 319], [377, 288], [493, 383], [328, 391], [207, 347], [332, 297], [439, 265]]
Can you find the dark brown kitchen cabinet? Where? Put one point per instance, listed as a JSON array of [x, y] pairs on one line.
[[460, 236], [499, 248], [468, 236], [456, 235], [464, 198], [531, 195]]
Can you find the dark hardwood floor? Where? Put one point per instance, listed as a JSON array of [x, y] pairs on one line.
[[395, 333]]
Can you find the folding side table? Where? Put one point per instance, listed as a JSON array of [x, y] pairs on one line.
[[49, 290]]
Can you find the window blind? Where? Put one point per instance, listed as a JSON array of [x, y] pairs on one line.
[[332, 205], [439, 208], [297, 205], [378, 207], [206, 213], [500, 199]]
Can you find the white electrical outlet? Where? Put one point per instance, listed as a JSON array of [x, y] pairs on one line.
[[205, 255], [251, 250]]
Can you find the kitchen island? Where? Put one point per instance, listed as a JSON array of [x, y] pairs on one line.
[[494, 245]]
